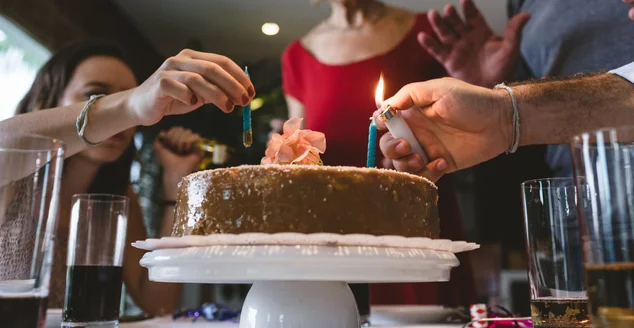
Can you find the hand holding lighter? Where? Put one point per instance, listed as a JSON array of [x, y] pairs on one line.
[[400, 130]]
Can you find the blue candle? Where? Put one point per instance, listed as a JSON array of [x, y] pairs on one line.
[[371, 144], [247, 132]]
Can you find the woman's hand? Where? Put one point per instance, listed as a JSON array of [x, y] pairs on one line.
[[177, 152], [187, 81]]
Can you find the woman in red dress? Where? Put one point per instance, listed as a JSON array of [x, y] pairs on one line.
[[329, 79]]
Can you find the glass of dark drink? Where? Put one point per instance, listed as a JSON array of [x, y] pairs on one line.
[[605, 159], [95, 254], [557, 288], [30, 173]]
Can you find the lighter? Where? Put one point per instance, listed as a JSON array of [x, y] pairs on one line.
[[400, 130]]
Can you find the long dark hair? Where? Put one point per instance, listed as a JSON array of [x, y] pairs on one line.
[[49, 86]]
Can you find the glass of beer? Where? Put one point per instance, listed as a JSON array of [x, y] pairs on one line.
[[98, 224], [31, 169], [555, 260], [605, 159]]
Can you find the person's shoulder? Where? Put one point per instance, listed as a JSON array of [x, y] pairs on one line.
[[292, 51]]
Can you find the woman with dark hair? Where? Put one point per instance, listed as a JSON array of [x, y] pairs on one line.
[[70, 77]]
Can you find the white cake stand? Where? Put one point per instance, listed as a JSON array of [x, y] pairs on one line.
[[300, 285]]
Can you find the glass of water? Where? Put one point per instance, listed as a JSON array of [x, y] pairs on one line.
[[30, 174]]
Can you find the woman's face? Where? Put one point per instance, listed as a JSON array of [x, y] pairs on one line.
[[101, 75]]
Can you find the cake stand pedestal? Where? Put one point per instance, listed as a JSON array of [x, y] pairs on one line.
[[302, 285]]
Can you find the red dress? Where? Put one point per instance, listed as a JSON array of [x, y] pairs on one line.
[[338, 101]]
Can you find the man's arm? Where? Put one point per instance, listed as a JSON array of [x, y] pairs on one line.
[[553, 111], [465, 125]]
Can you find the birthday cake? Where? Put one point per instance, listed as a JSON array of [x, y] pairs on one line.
[[290, 193]]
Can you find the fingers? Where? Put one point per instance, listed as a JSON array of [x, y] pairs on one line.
[[202, 88], [418, 94], [457, 25], [181, 140], [227, 64], [434, 170], [179, 91], [433, 47], [513, 31], [213, 73], [398, 155], [394, 148], [472, 14], [631, 14], [441, 27]]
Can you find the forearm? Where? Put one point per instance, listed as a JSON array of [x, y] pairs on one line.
[[552, 112], [108, 116]]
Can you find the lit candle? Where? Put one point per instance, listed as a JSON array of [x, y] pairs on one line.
[[247, 132], [371, 144], [378, 99], [397, 125]]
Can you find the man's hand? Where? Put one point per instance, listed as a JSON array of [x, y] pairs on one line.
[[458, 124], [469, 50]]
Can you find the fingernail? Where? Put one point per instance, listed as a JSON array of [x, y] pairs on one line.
[[402, 148], [251, 91], [415, 163], [442, 165], [245, 99], [194, 100], [229, 105]]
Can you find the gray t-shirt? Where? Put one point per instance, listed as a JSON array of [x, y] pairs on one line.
[[565, 37]]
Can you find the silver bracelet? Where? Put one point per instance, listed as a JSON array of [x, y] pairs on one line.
[[82, 121], [516, 119]]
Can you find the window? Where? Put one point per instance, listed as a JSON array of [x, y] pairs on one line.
[[20, 59]]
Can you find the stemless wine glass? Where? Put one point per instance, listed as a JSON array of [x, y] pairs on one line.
[[30, 174], [605, 159], [95, 255]]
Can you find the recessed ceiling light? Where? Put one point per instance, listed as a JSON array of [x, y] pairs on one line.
[[270, 28]]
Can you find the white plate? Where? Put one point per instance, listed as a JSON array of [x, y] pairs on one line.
[[246, 264], [388, 315], [315, 239], [53, 318]]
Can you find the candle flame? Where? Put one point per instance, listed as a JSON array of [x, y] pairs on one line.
[[378, 96]]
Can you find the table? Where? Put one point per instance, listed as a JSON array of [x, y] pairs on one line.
[[167, 322]]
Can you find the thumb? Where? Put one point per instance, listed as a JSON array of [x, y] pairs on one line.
[[420, 94], [414, 94], [513, 31]]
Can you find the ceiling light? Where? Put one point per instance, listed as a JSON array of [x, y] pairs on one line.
[[270, 28]]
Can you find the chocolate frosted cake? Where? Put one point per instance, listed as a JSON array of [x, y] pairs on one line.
[[306, 199]]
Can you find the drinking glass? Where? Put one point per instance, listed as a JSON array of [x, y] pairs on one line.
[[605, 159], [30, 174], [95, 254], [555, 260]]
